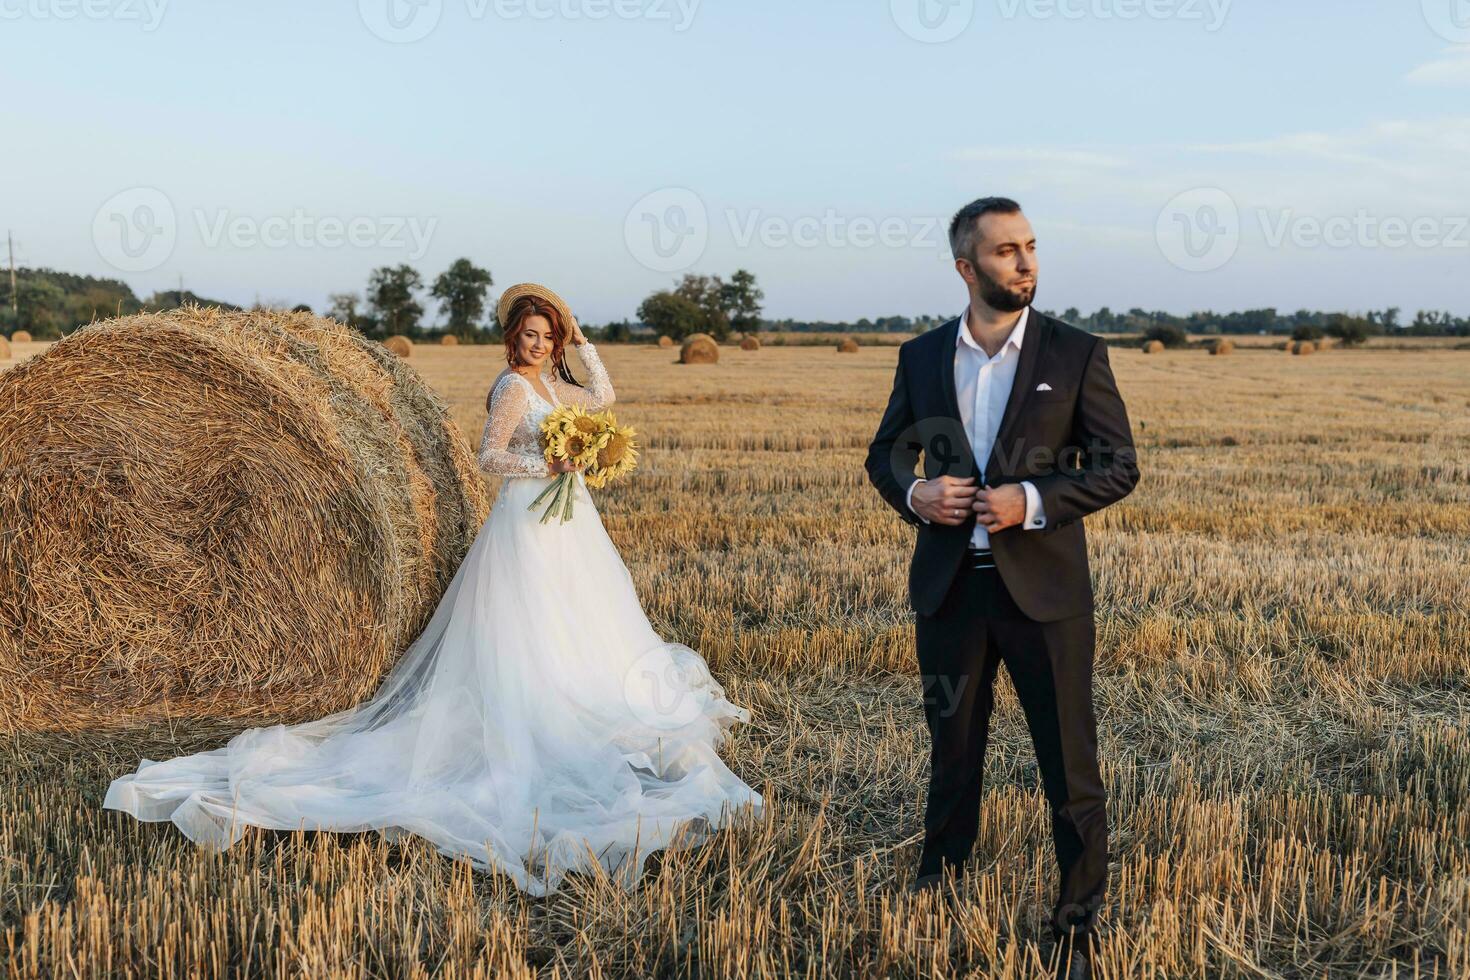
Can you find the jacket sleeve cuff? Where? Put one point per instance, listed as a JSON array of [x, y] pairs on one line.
[[1035, 512]]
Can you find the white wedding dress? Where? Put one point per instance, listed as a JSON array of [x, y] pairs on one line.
[[538, 725]]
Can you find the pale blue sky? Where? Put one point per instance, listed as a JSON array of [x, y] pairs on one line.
[[821, 144]]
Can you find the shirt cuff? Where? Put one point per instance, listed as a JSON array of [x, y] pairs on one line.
[[1035, 512], [909, 499]]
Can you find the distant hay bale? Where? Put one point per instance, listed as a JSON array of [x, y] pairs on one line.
[[1153, 347], [664, 340], [20, 337], [1222, 346], [243, 515], [399, 345], [1303, 347], [699, 348], [4, 349], [847, 346], [750, 343], [449, 340]]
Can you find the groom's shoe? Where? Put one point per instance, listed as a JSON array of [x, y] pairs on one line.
[[1078, 954]]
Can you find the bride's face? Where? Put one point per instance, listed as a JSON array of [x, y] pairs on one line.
[[533, 341]]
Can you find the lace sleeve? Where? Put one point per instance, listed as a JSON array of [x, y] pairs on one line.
[[508, 403], [599, 391]]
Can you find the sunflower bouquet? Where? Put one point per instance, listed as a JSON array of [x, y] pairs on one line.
[[593, 440]]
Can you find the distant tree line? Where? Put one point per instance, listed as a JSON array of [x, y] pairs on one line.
[[1350, 328], [49, 304]]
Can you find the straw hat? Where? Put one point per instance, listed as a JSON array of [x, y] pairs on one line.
[[507, 298]]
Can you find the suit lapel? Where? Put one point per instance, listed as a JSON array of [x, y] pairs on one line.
[[1033, 345], [949, 333]]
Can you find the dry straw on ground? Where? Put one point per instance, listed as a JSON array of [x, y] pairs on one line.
[[399, 345], [1153, 347], [1282, 690], [750, 343], [244, 515], [699, 348]]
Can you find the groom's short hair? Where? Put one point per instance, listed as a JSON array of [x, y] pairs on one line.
[[963, 228]]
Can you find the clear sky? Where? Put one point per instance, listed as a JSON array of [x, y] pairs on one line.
[[1172, 154]]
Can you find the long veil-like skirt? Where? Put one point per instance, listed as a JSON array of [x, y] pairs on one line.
[[538, 726]]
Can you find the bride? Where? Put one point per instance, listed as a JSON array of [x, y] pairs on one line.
[[538, 726]]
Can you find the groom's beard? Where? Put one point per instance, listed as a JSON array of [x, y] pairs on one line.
[[1003, 298]]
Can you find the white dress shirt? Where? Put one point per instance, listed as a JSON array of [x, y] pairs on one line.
[[982, 385]]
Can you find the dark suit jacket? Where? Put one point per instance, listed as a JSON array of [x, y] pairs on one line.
[[1072, 442]]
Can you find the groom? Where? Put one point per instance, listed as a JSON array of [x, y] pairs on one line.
[[1023, 433]]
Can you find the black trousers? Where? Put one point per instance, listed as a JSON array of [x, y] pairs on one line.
[[978, 627]]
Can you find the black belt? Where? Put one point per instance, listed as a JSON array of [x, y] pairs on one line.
[[979, 558]]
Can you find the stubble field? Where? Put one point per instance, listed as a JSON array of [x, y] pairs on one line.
[[1283, 695]]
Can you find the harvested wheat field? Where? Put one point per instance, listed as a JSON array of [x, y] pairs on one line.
[[1283, 691]]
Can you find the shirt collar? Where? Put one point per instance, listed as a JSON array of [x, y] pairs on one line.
[[1018, 332]]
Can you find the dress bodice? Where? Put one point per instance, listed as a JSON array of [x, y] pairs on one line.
[[511, 442]]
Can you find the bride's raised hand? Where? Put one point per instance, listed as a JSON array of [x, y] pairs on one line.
[[564, 466], [574, 332]]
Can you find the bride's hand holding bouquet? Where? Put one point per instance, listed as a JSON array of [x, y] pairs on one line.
[[577, 441]]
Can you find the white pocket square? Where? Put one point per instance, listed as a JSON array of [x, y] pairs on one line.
[[1043, 387]]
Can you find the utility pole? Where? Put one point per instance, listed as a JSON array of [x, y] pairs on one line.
[[14, 301]]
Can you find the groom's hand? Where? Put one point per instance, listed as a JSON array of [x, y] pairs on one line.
[[997, 508], [945, 499]]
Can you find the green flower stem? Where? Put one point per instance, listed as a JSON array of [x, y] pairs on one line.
[[554, 484], [571, 495]]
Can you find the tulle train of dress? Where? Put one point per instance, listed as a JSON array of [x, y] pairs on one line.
[[538, 726]]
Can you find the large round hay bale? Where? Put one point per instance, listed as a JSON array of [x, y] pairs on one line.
[[699, 348], [20, 337], [664, 340], [449, 340], [4, 349], [1153, 346], [750, 343], [847, 346], [1303, 347], [242, 515], [1223, 345], [399, 345]]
